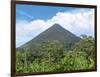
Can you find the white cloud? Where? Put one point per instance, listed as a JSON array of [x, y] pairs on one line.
[[78, 23]]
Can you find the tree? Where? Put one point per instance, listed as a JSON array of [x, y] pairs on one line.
[[86, 45], [52, 50]]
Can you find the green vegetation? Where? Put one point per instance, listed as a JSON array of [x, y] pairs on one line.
[[54, 56]]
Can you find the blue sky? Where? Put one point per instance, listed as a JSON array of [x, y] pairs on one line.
[[31, 20], [36, 12], [31, 12]]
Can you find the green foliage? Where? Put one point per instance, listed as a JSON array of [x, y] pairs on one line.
[[53, 56], [74, 61], [53, 50]]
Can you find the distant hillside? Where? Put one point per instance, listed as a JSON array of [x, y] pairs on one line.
[[55, 32]]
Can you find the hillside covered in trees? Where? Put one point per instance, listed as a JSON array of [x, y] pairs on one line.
[[56, 49]]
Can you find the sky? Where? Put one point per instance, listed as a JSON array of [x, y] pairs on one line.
[[31, 20]]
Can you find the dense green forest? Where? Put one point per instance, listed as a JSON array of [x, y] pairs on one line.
[[54, 56]]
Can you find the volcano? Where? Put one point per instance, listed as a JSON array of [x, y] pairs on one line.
[[55, 32]]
